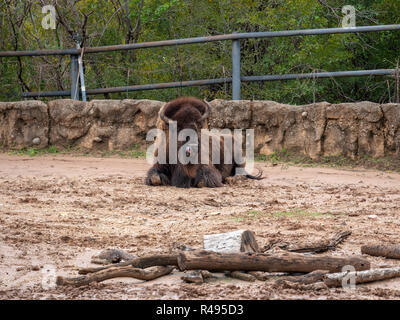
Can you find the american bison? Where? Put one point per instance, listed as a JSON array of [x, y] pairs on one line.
[[191, 113]]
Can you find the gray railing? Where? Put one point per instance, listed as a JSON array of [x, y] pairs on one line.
[[236, 78]]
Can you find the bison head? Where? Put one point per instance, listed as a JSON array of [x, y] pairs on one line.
[[188, 113], [180, 114]]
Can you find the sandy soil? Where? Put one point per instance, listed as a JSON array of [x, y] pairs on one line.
[[58, 211]]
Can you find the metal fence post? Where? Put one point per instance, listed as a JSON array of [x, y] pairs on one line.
[[236, 78], [236, 69], [74, 77]]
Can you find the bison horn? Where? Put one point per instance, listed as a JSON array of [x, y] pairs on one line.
[[208, 107], [163, 117]]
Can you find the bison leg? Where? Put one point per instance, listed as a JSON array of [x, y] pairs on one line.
[[156, 178], [208, 177], [180, 179]]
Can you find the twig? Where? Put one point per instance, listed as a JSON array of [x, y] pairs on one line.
[[312, 277], [143, 262], [116, 272], [321, 246], [241, 276]]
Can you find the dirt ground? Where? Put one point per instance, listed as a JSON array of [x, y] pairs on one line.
[[57, 211]]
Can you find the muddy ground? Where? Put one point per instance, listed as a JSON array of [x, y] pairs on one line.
[[56, 211]]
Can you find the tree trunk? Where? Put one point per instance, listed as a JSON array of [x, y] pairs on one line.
[[336, 279], [388, 251], [206, 260]]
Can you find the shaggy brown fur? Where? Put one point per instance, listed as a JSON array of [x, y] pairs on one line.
[[189, 113]]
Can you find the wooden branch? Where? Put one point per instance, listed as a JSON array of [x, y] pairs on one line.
[[312, 277], [197, 276], [116, 272], [206, 274], [178, 246], [231, 242], [212, 261], [193, 277], [322, 245], [336, 279], [241, 276], [306, 287], [263, 276], [388, 251], [143, 262], [62, 21]]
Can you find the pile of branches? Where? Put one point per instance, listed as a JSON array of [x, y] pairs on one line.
[[237, 255]]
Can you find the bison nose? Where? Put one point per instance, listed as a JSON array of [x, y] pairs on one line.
[[188, 151]]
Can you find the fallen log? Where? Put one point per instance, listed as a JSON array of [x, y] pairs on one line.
[[193, 277], [241, 276], [315, 246], [290, 262], [206, 274], [316, 286], [263, 276], [231, 242], [380, 250], [198, 276], [322, 245], [116, 272], [312, 277], [336, 279], [236, 241], [142, 262]]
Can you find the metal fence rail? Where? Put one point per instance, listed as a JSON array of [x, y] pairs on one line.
[[236, 78]]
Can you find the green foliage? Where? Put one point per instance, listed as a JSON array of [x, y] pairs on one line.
[[298, 213], [119, 22], [32, 152]]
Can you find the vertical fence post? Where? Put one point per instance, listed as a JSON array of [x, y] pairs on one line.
[[236, 69], [82, 78], [74, 77], [78, 39]]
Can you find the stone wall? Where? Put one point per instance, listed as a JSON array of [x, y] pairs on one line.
[[321, 129]]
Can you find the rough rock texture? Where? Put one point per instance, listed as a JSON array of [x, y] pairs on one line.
[[296, 128], [392, 128], [320, 129], [354, 129], [102, 124], [24, 124]]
